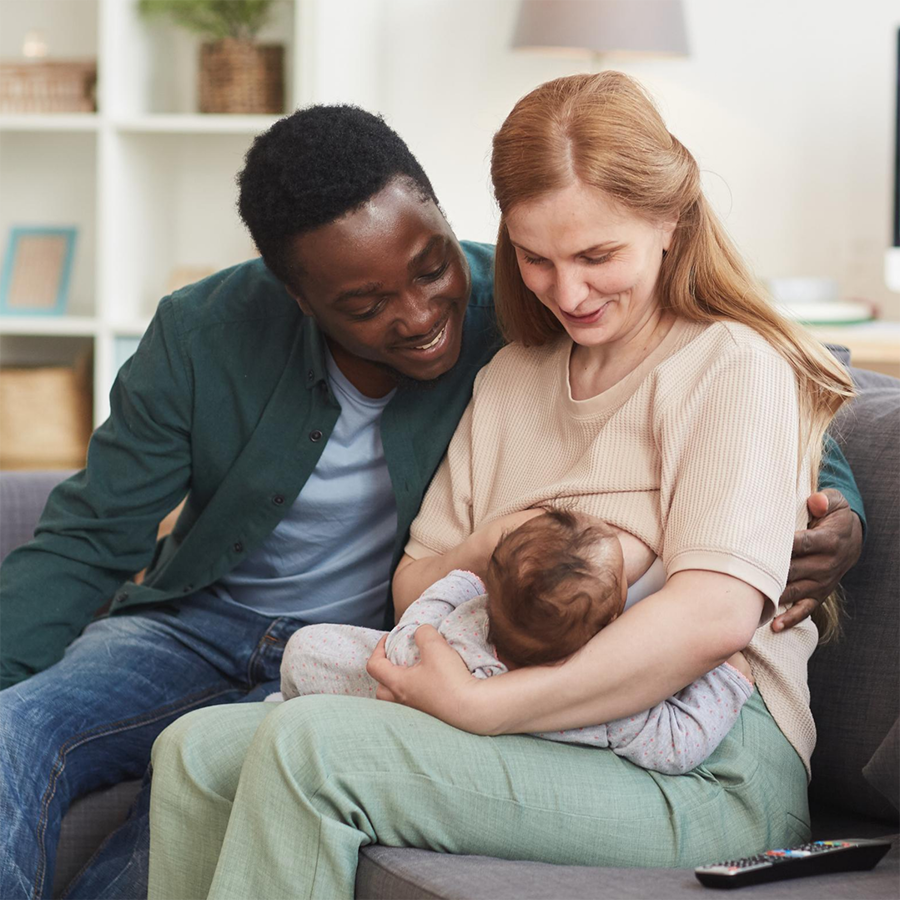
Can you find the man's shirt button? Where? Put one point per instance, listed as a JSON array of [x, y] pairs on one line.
[[315, 436], [310, 375], [187, 589], [238, 547], [278, 499]]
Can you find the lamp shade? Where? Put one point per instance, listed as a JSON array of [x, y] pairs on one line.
[[603, 26]]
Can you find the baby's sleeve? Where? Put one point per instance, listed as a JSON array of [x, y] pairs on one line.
[[466, 631], [678, 734], [434, 605]]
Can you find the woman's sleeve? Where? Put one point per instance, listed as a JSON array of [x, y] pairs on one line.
[[445, 517], [730, 476]]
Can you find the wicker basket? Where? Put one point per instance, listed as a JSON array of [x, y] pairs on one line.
[[241, 77], [45, 86], [45, 417]]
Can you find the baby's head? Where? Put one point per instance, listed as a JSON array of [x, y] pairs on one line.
[[552, 584]]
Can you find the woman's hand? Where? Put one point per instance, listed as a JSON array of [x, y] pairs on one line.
[[439, 684], [822, 555]]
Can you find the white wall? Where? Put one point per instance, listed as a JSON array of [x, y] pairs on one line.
[[787, 105], [67, 27]]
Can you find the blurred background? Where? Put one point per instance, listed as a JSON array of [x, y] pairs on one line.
[[124, 122]]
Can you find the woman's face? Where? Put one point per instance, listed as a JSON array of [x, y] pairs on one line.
[[590, 261]]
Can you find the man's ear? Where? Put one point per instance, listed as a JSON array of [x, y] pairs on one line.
[[298, 299]]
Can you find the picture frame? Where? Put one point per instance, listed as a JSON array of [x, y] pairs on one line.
[[37, 269]]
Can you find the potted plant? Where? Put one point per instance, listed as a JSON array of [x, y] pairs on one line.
[[237, 74]]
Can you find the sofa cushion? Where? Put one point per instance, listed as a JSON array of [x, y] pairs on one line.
[[854, 682], [387, 873], [883, 770], [89, 821]]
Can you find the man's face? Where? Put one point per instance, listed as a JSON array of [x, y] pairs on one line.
[[388, 284]]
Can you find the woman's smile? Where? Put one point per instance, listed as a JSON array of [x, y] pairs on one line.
[[590, 318]]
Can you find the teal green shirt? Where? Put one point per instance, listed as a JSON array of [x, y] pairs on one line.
[[226, 401]]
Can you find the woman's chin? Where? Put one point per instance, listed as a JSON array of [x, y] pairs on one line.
[[590, 335], [597, 329]]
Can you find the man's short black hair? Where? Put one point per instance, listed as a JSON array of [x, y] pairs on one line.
[[313, 167]]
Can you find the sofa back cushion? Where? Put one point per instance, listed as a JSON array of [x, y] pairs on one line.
[[23, 496], [854, 682]]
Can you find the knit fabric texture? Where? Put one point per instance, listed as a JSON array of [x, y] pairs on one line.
[[695, 452]]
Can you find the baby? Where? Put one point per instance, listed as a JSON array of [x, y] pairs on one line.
[[552, 583]]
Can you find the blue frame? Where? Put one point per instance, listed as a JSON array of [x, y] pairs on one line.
[[62, 293]]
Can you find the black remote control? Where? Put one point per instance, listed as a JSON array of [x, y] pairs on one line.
[[815, 858]]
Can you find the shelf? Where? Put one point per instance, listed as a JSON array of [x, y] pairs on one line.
[[194, 124], [148, 181], [63, 326], [181, 187], [55, 184], [129, 329], [79, 122]]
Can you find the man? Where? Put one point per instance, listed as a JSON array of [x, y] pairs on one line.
[[302, 405]]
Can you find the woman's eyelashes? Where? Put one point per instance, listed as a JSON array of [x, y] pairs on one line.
[[590, 260], [598, 260], [533, 260]]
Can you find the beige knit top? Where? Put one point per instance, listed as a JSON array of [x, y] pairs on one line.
[[695, 452]]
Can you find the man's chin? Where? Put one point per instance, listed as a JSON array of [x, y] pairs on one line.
[[408, 382], [411, 382]]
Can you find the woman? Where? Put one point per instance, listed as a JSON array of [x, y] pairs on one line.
[[649, 378]]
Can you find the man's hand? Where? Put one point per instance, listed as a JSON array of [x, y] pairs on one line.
[[822, 555]]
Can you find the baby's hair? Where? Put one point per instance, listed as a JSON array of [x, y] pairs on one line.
[[547, 596]]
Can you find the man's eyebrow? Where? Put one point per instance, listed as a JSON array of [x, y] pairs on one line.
[[584, 252], [364, 290], [420, 257]]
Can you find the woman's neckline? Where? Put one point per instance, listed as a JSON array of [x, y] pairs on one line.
[[679, 332]]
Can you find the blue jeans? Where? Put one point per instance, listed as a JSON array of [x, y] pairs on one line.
[[90, 720]]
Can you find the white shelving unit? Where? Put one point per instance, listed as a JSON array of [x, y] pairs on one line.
[[148, 183]]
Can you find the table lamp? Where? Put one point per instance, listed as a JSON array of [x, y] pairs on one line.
[[653, 27]]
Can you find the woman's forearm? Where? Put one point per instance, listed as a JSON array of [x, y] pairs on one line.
[[413, 576], [650, 653]]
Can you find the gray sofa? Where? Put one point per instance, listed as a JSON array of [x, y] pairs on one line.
[[855, 700]]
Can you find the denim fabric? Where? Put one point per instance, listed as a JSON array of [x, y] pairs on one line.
[[90, 720]]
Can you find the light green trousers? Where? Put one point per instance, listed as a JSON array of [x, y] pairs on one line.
[[270, 801]]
